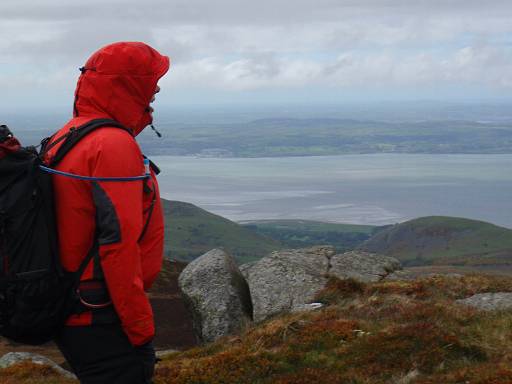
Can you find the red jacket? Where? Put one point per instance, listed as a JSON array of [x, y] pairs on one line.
[[107, 218]]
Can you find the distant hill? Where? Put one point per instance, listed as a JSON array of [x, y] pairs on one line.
[[280, 137], [444, 240], [305, 233], [191, 231]]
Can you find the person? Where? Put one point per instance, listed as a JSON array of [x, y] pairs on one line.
[[108, 338]]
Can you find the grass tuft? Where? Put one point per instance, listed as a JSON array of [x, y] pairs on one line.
[[31, 373]]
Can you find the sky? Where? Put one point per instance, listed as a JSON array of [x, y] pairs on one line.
[[260, 51]]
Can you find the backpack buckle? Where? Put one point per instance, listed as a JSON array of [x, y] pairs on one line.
[[92, 286], [91, 305]]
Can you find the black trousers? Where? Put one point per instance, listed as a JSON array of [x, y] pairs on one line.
[[102, 354]]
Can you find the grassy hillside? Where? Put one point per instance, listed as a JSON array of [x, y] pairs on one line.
[[379, 333], [444, 240], [375, 333], [305, 233], [191, 231]]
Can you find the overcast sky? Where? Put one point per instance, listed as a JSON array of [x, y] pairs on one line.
[[227, 51]]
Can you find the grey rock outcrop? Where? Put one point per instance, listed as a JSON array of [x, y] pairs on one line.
[[403, 275], [489, 301], [363, 266], [284, 280], [12, 358], [244, 268], [217, 295], [287, 280], [307, 307]]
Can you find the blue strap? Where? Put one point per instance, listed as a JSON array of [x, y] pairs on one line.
[[91, 178]]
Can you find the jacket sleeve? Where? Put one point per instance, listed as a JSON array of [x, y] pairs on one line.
[[119, 221]]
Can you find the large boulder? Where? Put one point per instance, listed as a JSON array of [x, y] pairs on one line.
[[244, 268], [489, 301], [287, 280], [284, 280], [363, 266], [12, 358], [216, 294]]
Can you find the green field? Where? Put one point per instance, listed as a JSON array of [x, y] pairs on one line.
[[306, 233]]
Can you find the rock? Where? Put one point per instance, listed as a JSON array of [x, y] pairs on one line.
[[489, 301], [363, 266], [216, 294], [288, 280], [307, 307], [402, 275], [322, 250], [409, 377], [244, 268], [12, 358], [165, 353]]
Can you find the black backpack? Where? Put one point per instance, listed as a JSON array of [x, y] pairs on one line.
[[36, 293]]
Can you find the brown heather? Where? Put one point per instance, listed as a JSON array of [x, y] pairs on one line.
[[366, 333], [30, 373]]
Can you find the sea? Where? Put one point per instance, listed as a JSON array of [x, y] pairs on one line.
[[374, 189]]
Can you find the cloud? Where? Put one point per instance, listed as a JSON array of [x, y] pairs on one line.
[[237, 12], [236, 46], [471, 64]]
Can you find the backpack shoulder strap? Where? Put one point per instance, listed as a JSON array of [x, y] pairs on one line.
[[75, 135]]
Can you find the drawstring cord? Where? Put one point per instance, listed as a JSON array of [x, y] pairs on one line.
[[147, 174], [154, 129]]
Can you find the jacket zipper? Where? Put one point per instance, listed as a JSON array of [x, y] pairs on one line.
[[149, 212]]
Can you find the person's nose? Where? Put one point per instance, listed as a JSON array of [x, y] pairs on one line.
[[156, 91]]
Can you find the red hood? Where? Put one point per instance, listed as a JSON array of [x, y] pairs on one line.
[[118, 81]]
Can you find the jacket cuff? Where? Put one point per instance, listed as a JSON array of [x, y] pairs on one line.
[[140, 332]]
